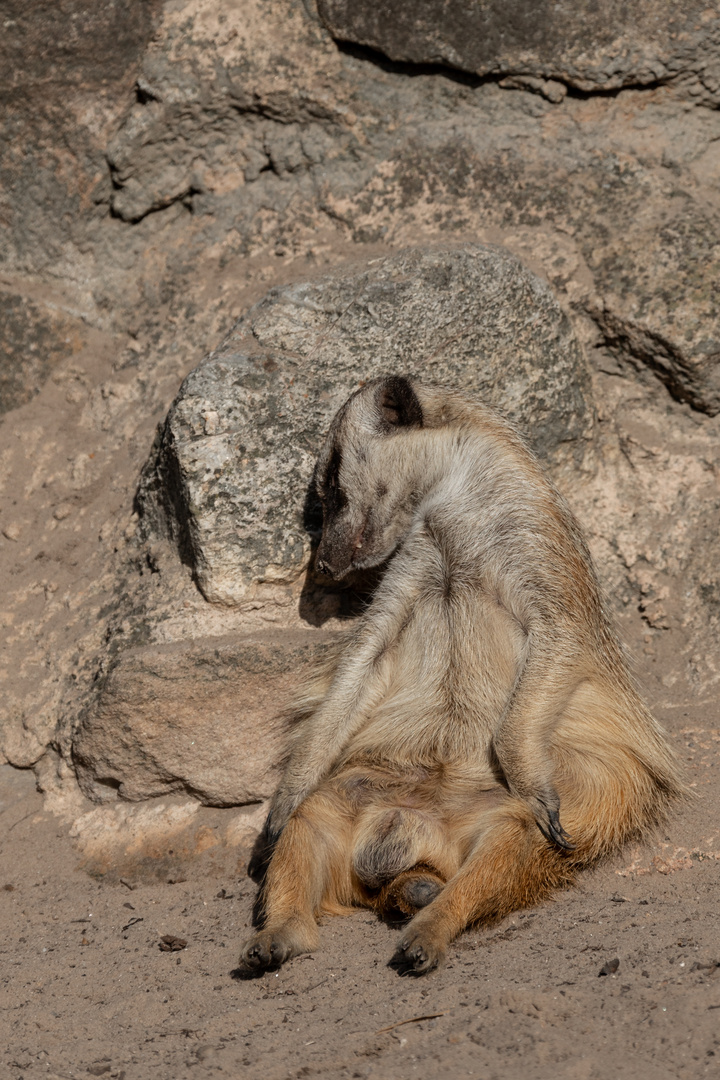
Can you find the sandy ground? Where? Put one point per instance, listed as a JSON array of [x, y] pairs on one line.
[[87, 990]]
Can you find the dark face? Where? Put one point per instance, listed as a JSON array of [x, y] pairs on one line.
[[362, 481], [342, 535]]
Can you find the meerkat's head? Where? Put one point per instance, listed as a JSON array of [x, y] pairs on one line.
[[366, 476]]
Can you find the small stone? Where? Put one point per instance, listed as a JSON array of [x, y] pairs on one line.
[[170, 943], [63, 511], [610, 967], [11, 531]]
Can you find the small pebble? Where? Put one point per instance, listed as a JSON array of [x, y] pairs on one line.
[[170, 943]]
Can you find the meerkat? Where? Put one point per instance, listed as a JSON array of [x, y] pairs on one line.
[[478, 739]]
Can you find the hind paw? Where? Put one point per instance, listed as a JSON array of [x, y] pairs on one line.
[[264, 952], [417, 953]]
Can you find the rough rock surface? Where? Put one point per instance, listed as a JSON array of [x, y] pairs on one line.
[[201, 718], [660, 308], [60, 44], [582, 45], [34, 340], [67, 66], [236, 457]]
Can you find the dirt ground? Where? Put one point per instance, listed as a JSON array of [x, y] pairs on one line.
[[88, 990]]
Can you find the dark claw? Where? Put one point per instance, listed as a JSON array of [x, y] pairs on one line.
[[272, 832], [413, 959], [259, 861], [554, 832]]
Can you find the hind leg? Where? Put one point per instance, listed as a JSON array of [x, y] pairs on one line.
[[607, 798], [512, 866], [309, 871]]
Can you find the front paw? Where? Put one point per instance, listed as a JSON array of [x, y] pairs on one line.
[[417, 953], [546, 811]]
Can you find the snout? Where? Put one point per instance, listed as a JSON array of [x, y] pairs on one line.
[[339, 550], [324, 567], [332, 564]]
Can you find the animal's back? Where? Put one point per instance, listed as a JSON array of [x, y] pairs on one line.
[[444, 681]]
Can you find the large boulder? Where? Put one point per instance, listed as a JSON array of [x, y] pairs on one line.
[[604, 45], [185, 702], [202, 718], [230, 476]]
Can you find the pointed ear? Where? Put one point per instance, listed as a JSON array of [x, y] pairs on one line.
[[398, 404]]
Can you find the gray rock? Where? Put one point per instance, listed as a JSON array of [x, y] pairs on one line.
[[587, 46], [71, 43], [661, 307], [34, 340], [57, 60], [202, 718], [232, 472]]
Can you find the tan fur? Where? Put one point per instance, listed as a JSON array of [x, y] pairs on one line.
[[482, 694]]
